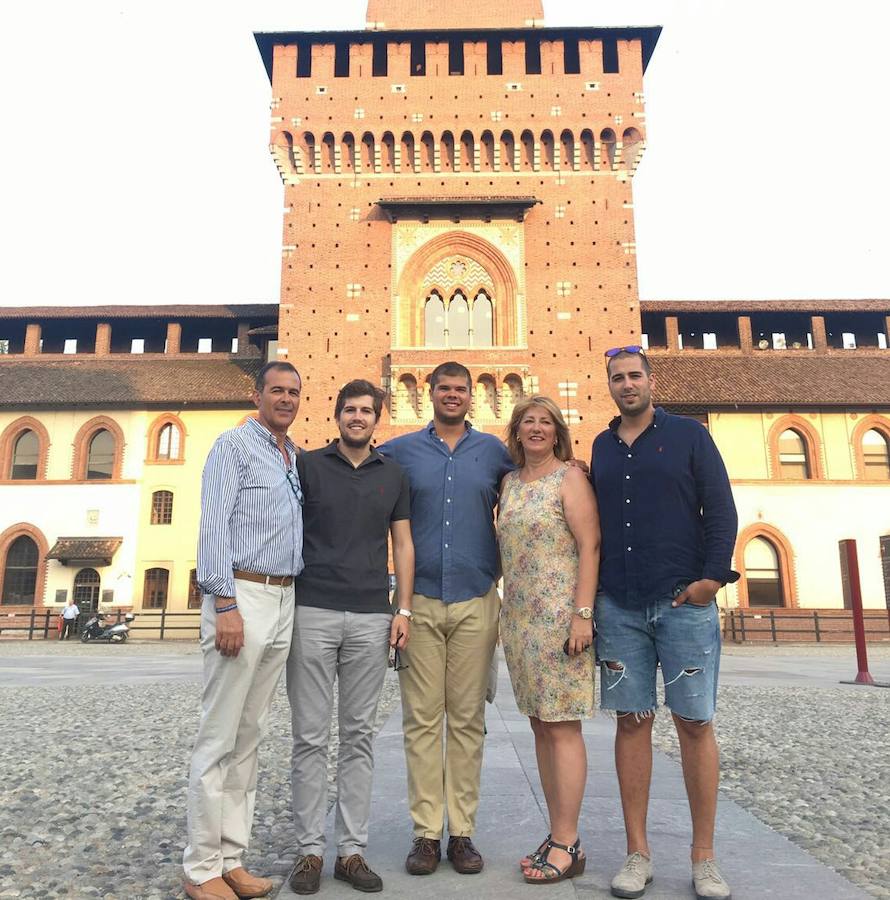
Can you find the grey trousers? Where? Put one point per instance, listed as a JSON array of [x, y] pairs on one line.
[[353, 647]]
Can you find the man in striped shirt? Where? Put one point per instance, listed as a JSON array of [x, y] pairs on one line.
[[249, 551]]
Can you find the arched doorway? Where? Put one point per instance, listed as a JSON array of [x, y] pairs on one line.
[[86, 590]]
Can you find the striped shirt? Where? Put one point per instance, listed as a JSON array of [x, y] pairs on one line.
[[251, 517]]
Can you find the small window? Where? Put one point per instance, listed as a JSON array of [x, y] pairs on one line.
[[25, 457], [234, 348], [875, 456], [161, 507], [849, 340], [532, 56], [762, 574], [610, 56], [494, 58], [100, 456], [205, 345], [456, 57], [341, 60], [882, 341], [154, 593], [70, 345], [644, 341], [196, 595], [418, 56], [571, 56], [378, 59], [137, 345], [304, 60], [4, 346], [779, 340], [709, 340], [793, 460]]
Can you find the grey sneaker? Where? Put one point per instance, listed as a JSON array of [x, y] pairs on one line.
[[635, 875], [709, 884]]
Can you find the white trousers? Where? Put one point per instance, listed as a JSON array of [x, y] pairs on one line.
[[234, 711]]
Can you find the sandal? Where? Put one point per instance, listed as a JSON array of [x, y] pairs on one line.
[[575, 867], [535, 855]]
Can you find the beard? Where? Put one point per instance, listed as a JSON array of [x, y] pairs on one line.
[[354, 442]]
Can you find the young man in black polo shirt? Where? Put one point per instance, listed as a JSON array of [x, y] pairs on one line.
[[343, 628]]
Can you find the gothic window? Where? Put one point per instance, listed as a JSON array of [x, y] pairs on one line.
[[793, 457], [875, 456], [25, 456], [100, 456], [457, 321], [434, 321], [482, 321], [20, 573], [169, 439], [763, 573]]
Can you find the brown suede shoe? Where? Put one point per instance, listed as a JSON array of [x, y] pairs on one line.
[[424, 856], [355, 870], [246, 885], [214, 889], [305, 876], [465, 858]]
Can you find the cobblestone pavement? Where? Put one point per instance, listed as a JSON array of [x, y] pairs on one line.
[[93, 776]]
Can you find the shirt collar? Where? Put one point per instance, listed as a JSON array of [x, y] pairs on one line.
[[333, 449], [431, 428], [261, 431], [658, 419]]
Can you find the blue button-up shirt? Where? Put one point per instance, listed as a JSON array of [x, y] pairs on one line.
[[453, 495], [666, 509], [251, 516]]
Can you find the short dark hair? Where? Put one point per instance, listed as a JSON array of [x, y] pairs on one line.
[[280, 365], [360, 388], [450, 368], [624, 354]]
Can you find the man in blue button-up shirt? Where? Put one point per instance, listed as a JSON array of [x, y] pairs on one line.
[[668, 530], [454, 472]]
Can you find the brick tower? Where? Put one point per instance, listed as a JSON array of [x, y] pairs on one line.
[[457, 186]]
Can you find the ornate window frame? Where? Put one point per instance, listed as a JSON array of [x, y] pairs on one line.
[[82, 448], [8, 439], [6, 540], [872, 422], [786, 562], [154, 434], [812, 443]]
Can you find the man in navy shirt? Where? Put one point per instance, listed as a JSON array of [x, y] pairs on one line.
[[454, 472], [668, 531]]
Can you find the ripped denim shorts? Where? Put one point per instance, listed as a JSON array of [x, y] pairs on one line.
[[632, 641]]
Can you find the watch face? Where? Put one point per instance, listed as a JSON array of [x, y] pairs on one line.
[[585, 613]]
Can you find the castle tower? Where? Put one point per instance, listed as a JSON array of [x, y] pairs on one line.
[[457, 186]]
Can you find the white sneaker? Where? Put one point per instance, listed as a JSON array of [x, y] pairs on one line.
[[709, 884], [635, 875]]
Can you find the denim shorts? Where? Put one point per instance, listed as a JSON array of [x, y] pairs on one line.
[[684, 639]]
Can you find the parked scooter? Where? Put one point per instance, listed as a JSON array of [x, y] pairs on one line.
[[96, 631]]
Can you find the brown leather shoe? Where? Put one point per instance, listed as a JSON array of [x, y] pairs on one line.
[[355, 870], [246, 885], [424, 856], [305, 876], [465, 858], [214, 889]]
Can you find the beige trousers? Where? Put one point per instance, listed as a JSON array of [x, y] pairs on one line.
[[448, 658], [234, 708]]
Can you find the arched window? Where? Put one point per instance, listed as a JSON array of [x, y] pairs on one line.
[[486, 399], [20, 572], [588, 150], [307, 145], [407, 152], [434, 321], [367, 152], [347, 152], [162, 507], [427, 152], [25, 456], [100, 456], [609, 143], [631, 142], [794, 461], [154, 592], [486, 152], [763, 573], [511, 394], [482, 331], [196, 595], [169, 440], [875, 456], [467, 151], [388, 152], [86, 590], [406, 397], [446, 152], [458, 322], [508, 151], [548, 152], [328, 153], [527, 151], [567, 145]]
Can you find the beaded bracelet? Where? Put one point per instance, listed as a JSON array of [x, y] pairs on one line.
[[228, 608]]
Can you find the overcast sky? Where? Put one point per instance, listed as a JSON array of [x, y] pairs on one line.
[[135, 167]]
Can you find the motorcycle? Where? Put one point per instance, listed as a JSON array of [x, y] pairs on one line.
[[96, 631]]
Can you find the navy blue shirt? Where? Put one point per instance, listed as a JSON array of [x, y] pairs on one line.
[[666, 509], [453, 495]]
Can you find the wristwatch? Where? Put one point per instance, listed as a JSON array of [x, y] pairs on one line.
[[585, 612], [406, 613]]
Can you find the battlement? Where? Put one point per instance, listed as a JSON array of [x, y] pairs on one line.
[[390, 14]]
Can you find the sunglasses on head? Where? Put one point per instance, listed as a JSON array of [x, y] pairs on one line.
[[630, 348]]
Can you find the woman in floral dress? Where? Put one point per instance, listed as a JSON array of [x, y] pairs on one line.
[[548, 531]]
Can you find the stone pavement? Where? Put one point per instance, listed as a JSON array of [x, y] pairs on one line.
[[757, 861]]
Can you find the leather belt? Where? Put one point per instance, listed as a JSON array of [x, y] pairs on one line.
[[277, 580]]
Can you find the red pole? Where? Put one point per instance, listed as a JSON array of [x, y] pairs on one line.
[[850, 568]]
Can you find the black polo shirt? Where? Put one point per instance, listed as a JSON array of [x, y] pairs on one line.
[[346, 519]]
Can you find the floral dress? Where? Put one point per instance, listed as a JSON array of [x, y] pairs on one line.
[[540, 564]]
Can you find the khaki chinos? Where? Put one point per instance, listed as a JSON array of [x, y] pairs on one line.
[[235, 706], [448, 660]]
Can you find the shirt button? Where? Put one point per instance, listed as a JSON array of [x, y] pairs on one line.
[[450, 458], [627, 477], [449, 478], [630, 455], [446, 547], [627, 524], [447, 522], [627, 501], [448, 500], [627, 548]]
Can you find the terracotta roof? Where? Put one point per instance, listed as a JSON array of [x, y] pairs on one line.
[[146, 311], [764, 379], [36, 384], [395, 14], [66, 548], [743, 306]]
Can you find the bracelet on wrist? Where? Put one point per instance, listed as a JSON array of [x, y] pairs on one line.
[[229, 608]]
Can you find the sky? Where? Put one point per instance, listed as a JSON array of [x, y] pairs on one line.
[[135, 167]]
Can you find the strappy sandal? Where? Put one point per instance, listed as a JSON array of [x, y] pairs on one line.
[[575, 867], [535, 855]]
